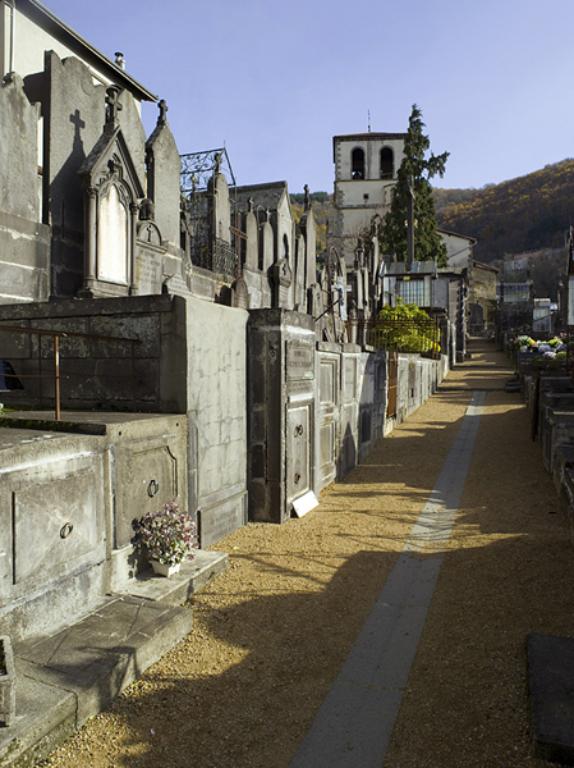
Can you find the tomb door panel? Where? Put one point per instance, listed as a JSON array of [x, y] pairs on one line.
[[298, 446], [51, 522], [328, 417], [146, 478]]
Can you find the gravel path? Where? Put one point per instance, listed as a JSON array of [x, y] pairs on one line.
[[272, 632]]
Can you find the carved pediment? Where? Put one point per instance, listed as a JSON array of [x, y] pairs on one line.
[[110, 160]]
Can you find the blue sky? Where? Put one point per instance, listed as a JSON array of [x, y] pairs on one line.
[[275, 81]]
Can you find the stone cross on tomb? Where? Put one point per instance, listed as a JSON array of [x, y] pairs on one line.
[[162, 119], [306, 198], [113, 105]]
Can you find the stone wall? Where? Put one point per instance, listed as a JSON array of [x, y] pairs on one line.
[[217, 407], [73, 117], [24, 241], [147, 375], [68, 499], [352, 396], [47, 482]]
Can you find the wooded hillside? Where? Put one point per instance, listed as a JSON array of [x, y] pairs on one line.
[[524, 214], [529, 213]]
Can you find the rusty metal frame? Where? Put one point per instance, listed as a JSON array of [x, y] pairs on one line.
[[56, 336]]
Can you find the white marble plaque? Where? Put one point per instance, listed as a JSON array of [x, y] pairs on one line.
[[112, 238]]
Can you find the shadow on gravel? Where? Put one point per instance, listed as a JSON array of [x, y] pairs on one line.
[[254, 714], [511, 572]]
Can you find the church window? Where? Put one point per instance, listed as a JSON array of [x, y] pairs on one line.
[[357, 163], [387, 163]]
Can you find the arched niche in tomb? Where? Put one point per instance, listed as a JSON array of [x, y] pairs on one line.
[[150, 255], [113, 234], [113, 193]]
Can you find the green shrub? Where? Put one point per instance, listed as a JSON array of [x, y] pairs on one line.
[[405, 328]]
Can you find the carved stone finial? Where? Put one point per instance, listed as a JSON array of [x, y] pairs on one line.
[[162, 117], [307, 199], [250, 204], [217, 162], [113, 106]]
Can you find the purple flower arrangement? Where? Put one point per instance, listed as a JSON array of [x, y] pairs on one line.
[[167, 536]]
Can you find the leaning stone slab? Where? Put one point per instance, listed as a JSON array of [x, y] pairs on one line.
[[7, 682], [551, 692]]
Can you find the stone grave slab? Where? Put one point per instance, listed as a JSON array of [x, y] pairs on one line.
[[551, 693], [99, 656]]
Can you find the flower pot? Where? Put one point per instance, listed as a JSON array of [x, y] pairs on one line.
[[161, 569]]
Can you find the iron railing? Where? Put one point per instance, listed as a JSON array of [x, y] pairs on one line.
[[56, 375], [224, 259], [425, 337]]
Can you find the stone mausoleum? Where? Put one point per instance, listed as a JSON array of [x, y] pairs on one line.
[[171, 341]]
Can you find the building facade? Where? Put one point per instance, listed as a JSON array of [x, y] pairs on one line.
[[366, 166]]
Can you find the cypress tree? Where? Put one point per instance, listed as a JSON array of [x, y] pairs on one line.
[[417, 167]]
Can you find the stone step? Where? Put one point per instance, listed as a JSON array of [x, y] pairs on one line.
[[97, 657], [65, 678], [192, 577]]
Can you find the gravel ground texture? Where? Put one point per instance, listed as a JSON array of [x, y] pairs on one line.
[[272, 632], [508, 571]]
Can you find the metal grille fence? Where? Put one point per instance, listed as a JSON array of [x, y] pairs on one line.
[[425, 337], [56, 375]]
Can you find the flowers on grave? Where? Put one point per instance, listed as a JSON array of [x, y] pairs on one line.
[[547, 348], [167, 536]]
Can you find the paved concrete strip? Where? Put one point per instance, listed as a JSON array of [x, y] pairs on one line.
[[354, 724]]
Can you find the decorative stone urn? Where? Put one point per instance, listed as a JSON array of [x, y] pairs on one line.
[[7, 682]]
